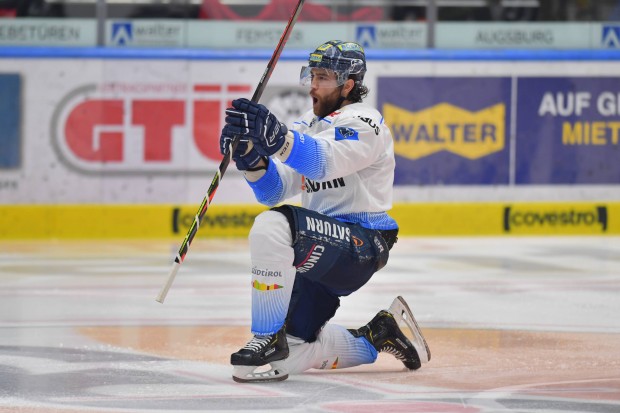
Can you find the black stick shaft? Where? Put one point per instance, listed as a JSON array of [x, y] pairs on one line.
[[215, 183]]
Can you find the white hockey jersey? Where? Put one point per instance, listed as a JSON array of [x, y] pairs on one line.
[[343, 164]]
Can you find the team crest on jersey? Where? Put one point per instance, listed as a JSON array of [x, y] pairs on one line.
[[343, 133]]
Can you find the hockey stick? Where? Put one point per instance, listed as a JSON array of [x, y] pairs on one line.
[[215, 183]]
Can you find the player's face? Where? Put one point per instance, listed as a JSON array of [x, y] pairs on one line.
[[324, 99]]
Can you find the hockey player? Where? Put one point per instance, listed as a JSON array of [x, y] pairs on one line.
[[340, 156]]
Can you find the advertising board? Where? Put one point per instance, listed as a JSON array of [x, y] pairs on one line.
[[568, 130], [100, 136], [511, 35], [223, 35], [48, 32], [452, 130], [146, 130], [146, 33]]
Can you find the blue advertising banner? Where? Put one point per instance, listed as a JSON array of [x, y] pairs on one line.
[[448, 130], [10, 117], [568, 130]]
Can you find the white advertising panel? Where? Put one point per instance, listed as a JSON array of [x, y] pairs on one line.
[[133, 130], [506, 35], [261, 35], [384, 35], [147, 131], [48, 32], [391, 35], [264, 35]]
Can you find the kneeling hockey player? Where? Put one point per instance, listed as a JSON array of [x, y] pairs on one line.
[[340, 156]]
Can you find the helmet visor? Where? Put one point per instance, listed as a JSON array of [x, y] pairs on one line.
[[319, 77], [330, 73]]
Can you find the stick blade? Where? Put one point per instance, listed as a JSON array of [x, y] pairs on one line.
[[164, 290]]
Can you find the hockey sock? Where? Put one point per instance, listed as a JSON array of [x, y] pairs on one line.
[[335, 348], [273, 273], [343, 350]]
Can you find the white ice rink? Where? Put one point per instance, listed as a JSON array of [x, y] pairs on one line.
[[513, 324]]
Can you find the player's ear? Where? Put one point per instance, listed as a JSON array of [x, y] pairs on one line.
[[347, 87]]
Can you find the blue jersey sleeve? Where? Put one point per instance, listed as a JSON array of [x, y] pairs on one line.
[[307, 156], [269, 189]]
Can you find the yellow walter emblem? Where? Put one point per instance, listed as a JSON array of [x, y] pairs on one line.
[[446, 127]]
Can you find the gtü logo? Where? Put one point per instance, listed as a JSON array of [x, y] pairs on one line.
[[142, 128]]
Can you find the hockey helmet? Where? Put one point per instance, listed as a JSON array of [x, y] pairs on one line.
[[346, 59]]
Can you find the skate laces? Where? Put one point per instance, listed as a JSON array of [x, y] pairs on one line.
[[393, 351], [257, 343], [393, 345]]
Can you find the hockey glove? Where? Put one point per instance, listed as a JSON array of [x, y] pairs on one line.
[[254, 120], [246, 157]]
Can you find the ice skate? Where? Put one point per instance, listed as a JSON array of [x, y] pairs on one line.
[[250, 363], [256, 374], [384, 333]]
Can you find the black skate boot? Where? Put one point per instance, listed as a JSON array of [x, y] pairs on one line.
[[385, 335], [262, 350]]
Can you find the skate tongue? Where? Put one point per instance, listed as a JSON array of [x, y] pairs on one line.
[[254, 374]]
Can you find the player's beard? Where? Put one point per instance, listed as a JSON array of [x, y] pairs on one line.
[[326, 104]]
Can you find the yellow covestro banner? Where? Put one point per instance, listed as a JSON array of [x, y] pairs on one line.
[[415, 219], [508, 218], [123, 221]]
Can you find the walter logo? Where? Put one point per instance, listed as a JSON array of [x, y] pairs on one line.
[[611, 37], [366, 35], [122, 33], [551, 218], [146, 33], [446, 127], [142, 128], [448, 130]]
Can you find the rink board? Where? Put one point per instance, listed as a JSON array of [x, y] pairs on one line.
[[421, 219]]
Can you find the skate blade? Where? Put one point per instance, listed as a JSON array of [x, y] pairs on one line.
[[253, 374], [401, 312]]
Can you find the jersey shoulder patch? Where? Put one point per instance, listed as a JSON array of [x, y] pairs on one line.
[[346, 133]]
